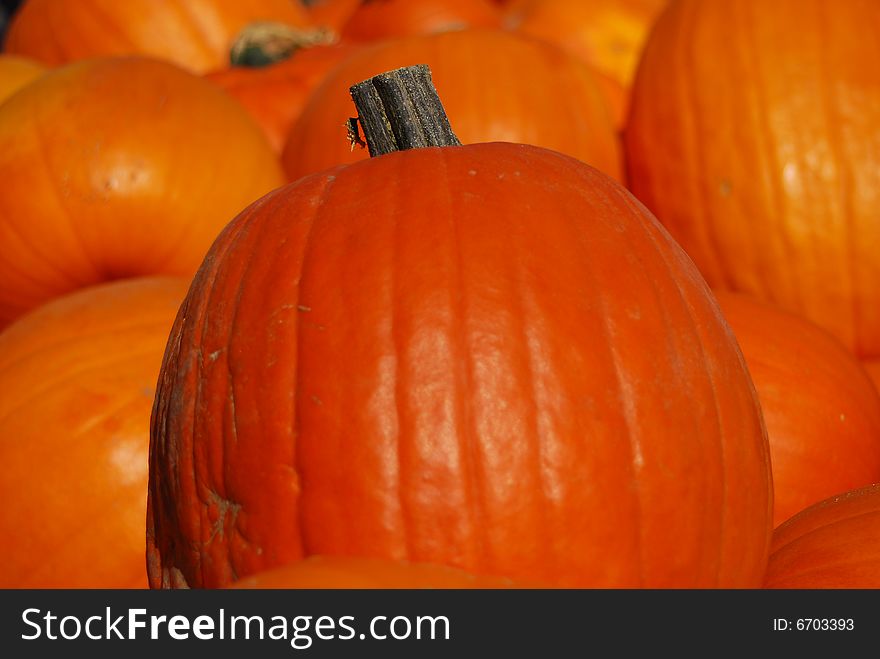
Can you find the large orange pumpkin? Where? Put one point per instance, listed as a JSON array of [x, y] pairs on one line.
[[753, 137], [821, 410], [831, 544], [332, 572], [488, 80], [487, 356], [77, 379], [194, 34], [16, 72], [119, 167]]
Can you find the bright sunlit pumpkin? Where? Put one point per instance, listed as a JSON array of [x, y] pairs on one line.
[[77, 379], [753, 138], [119, 167], [489, 357], [197, 35]]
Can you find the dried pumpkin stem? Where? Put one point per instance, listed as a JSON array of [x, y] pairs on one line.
[[401, 110], [264, 43]]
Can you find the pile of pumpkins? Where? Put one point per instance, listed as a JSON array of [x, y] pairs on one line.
[[626, 335]]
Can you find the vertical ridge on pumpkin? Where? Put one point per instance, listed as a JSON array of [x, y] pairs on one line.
[[464, 376], [692, 129], [769, 156], [843, 179], [402, 385], [757, 123], [628, 400], [171, 437], [659, 237], [334, 411]]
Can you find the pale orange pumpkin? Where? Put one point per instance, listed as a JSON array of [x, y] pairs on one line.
[[77, 378], [753, 137], [119, 167]]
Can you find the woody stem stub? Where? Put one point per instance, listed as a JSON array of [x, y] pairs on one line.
[[400, 110]]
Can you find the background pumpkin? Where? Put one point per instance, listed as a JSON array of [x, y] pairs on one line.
[[383, 19], [331, 572], [831, 544], [77, 379], [274, 95], [488, 80], [821, 409], [16, 72], [607, 34], [119, 167], [753, 137], [489, 357], [197, 35]]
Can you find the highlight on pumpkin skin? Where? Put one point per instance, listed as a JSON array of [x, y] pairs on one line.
[[832, 544], [132, 167], [821, 409], [345, 572], [194, 34], [77, 378]]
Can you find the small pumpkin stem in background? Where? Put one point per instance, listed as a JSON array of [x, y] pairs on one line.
[[265, 42], [401, 110]]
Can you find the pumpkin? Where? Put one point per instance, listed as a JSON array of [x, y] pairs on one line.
[[488, 78], [821, 410], [77, 379], [194, 34], [753, 137], [488, 356], [334, 572], [608, 34], [119, 167], [16, 72], [831, 544], [274, 95], [382, 19]]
